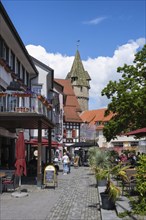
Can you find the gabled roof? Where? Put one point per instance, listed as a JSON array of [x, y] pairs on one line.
[[93, 116], [88, 116], [78, 73], [71, 106], [16, 41]]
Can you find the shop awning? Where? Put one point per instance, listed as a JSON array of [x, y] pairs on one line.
[[139, 132], [34, 142], [83, 144]]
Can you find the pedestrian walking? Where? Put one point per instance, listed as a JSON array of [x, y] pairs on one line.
[[65, 160], [69, 163]]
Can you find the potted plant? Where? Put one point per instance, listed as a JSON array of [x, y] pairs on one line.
[[99, 162], [103, 167], [111, 193], [101, 176]]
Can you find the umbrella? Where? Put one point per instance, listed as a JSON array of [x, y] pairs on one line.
[[20, 157]]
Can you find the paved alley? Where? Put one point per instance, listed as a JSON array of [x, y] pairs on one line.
[[75, 198]]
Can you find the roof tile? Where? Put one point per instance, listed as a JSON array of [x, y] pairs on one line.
[[71, 107]]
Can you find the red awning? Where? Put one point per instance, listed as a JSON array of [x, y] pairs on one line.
[[34, 142], [141, 132]]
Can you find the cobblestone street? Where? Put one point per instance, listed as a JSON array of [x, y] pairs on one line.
[[75, 198]]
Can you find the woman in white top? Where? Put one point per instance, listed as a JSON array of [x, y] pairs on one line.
[[65, 160]]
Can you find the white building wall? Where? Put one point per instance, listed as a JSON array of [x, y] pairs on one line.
[[103, 143], [5, 78], [40, 80]]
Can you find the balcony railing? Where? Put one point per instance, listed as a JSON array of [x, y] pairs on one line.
[[24, 103]]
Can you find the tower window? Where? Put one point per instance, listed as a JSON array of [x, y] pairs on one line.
[[81, 89], [73, 79]]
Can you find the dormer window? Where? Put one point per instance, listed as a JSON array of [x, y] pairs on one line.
[[98, 123]]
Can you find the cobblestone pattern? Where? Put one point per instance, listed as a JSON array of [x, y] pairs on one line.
[[79, 197], [75, 198]]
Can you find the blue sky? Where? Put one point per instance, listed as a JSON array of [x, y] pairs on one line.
[[110, 33]]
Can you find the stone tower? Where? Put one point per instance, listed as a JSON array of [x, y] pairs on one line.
[[80, 81]]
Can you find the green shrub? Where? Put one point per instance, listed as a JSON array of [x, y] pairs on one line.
[[139, 206]]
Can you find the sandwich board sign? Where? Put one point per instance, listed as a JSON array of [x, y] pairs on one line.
[[49, 176]]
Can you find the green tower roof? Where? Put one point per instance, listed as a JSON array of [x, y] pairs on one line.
[[78, 75]]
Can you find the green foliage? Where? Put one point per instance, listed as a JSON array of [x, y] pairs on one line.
[[112, 155], [124, 214], [139, 206], [141, 176], [101, 173], [120, 171], [128, 98], [102, 165], [112, 190], [98, 158]]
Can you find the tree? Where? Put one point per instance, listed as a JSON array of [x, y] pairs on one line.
[[128, 98]]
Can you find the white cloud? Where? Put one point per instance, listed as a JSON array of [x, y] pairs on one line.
[[95, 21], [100, 69]]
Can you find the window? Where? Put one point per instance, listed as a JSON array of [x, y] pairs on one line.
[[18, 68], [23, 74], [64, 133], [12, 103], [68, 133], [5, 52], [12, 61], [73, 79], [37, 89], [26, 78], [134, 143], [2, 104], [73, 133]]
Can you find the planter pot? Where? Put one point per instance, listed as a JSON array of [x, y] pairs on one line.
[[107, 202], [102, 182]]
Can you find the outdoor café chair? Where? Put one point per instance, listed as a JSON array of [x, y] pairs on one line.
[[8, 181], [128, 184]]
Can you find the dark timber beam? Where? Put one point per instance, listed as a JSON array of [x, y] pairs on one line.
[[49, 145], [39, 161]]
